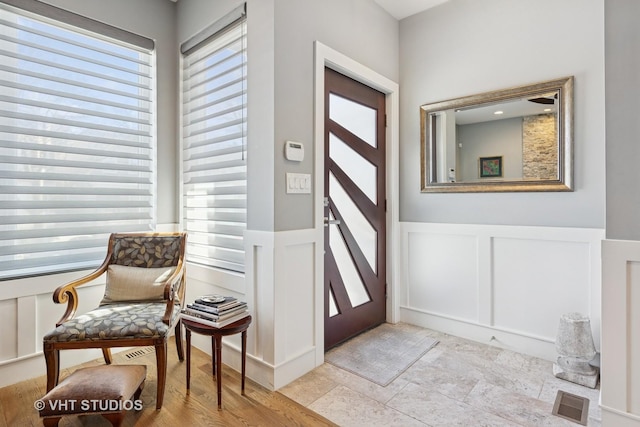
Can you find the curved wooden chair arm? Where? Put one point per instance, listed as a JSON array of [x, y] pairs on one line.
[[67, 293], [172, 289]]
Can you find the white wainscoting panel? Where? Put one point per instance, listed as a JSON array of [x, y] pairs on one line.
[[9, 329], [536, 281], [633, 340], [27, 313], [449, 291], [502, 285], [27, 320], [620, 363], [280, 272], [295, 300]]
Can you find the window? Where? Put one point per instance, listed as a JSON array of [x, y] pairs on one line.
[[214, 144], [76, 140]]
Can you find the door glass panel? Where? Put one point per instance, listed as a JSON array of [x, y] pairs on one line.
[[358, 119], [359, 169], [365, 235], [333, 308], [356, 290]]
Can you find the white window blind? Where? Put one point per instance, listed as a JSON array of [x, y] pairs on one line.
[[214, 147], [76, 143]]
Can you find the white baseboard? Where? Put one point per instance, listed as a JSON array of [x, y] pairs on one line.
[[614, 418], [510, 340]]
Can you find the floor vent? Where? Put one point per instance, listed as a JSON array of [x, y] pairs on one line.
[[571, 407], [138, 352]]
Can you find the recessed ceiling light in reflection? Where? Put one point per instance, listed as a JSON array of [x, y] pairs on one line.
[[546, 110], [497, 113]]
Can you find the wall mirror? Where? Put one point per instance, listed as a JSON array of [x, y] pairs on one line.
[[516, 139]]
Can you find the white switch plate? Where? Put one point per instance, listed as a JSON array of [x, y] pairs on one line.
[[298, 183]]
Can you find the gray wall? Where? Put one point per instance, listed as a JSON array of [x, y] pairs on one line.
[[359, 29], [622, 47], [458, 48], [195, 15], [280, 77], [464, 47], [488, 139], [280, 83], [154, 19]]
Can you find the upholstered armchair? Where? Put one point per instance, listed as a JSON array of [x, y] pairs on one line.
[[145, 286]]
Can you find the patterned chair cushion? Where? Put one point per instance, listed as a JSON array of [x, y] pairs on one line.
[[147, 251], [135, 283], [115, 321]]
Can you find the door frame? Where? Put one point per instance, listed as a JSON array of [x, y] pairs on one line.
[[325, 56]]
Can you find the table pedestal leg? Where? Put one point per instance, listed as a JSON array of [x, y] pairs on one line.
[[218, 339], [188, 336], [213, 355], [244, 358]]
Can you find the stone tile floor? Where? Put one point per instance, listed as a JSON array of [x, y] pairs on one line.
[[457, 383]]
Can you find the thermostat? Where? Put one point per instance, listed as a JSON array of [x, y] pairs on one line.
[[294, 151]]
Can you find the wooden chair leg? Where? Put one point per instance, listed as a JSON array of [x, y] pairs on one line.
[[115, 418], [179, 347], [106, 353], [161, 367], [51, 422], [136, 395], [52, 360]]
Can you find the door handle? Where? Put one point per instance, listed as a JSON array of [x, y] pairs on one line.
[[328, 222]]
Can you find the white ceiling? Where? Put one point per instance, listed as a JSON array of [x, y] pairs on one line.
[[510, 109], [400, 9]]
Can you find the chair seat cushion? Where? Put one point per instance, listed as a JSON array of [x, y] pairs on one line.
[[116, 321], [81, 391]]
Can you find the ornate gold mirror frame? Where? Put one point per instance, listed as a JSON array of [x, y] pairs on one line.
[[516, 139]]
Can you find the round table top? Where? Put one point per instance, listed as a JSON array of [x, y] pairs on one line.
[[239, 325]]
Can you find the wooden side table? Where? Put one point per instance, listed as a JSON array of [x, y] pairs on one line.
[[216, 335]]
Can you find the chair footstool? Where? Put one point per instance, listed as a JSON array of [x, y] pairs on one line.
[[108, 390]]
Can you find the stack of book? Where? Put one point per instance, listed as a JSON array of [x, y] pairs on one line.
[[215, 310]]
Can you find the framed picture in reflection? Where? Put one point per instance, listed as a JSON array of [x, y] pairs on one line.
[[490, 167]]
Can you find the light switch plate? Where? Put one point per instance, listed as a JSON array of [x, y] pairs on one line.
[[298, 183]]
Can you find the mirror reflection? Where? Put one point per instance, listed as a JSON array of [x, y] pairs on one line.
[[517, 139]]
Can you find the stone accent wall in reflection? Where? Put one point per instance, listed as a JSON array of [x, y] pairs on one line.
[[539, 147]]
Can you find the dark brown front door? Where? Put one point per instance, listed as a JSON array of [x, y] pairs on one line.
[[354, 182]]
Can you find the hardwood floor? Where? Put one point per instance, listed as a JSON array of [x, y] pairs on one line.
[[259, 406]]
